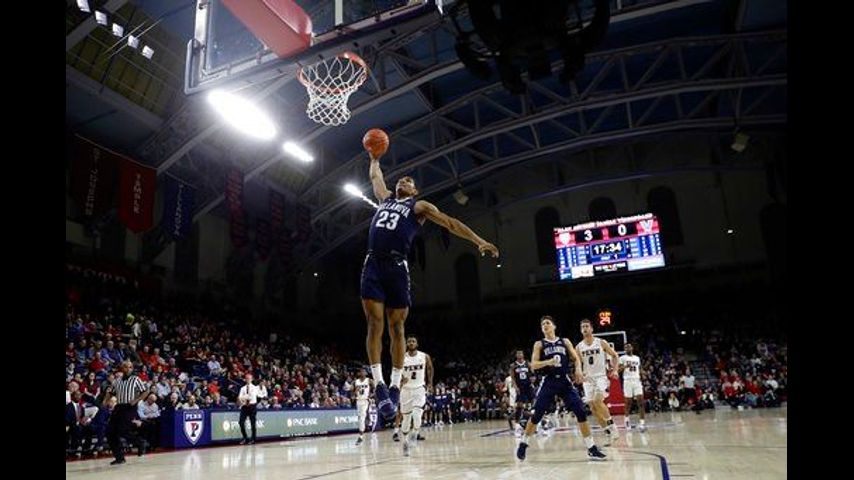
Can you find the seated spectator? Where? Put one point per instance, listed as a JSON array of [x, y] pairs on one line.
[[149, 412], [214, 366], [76, 425], [673, 402], [173, 403], [97, 365], [191, 404]]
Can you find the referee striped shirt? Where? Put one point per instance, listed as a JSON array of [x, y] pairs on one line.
[[127, 389]]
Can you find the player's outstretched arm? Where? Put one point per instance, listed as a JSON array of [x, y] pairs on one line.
[[458, 228], [377, 181]]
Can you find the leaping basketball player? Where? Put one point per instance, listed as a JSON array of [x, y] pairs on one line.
[[592, 351], [385, 273], [555, 353]]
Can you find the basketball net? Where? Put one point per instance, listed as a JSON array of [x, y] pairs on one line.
[[330, 83]]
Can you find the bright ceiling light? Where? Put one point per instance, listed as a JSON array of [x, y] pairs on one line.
[[242, 115], [297, 152]]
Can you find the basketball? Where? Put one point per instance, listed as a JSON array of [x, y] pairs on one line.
[[375, 141]]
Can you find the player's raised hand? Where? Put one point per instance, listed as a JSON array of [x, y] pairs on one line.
[[489, 248]]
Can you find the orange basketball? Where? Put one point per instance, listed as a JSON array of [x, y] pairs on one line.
[[375, 141]]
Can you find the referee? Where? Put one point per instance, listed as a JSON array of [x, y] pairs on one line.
[[129, 391]]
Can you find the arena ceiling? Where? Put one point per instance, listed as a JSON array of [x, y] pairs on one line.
[[666, 67]]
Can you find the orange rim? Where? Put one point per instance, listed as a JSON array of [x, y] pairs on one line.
[[349, 56]]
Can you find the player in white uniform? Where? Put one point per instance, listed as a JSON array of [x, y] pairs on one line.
[[511, 404], [632, 386], [592, 351], [362, 391], [413, 394]]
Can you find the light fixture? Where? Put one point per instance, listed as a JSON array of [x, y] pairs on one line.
[[147, 52], [83, 5], [133, 42], [682, 332], [740, 142], [101, 18], [461, 197], [498, 265], [354, 190], [297, 152], [241, 114], [316, 274], [118, 30], [730, 231]]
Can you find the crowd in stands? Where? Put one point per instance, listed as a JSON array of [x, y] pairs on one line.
[[191, 360]]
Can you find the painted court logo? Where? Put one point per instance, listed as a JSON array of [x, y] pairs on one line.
[[194, 425]]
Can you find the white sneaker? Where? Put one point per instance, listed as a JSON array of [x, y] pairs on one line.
[[406, 447]]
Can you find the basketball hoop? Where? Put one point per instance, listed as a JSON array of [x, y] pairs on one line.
[[330, 83]]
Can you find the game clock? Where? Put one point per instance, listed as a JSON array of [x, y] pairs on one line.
[[624, 244]]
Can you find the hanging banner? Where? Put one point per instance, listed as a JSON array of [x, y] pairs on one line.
[[137, 184], [94, 176], [178, 206]]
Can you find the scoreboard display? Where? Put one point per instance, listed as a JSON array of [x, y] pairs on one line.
[[593, 249]]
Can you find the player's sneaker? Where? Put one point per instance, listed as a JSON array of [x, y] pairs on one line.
[[642, 427], [396, 436], [521, 449], [420, 438], [386, 407], [593, 453], [359, 440], [406, 447]]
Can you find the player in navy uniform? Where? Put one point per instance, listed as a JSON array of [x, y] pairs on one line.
[[521, 373], [551, 355], [385, 274]]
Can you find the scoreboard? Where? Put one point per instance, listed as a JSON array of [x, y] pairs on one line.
[[593, 249]]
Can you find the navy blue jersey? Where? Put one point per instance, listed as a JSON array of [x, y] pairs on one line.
[[393, 227], [522, 374], [555, 348]]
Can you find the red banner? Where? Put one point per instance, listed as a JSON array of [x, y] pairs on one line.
[[93, 178], [137, 184]]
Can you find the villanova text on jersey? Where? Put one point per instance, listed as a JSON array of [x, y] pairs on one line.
[[555, 348], [393, 227]]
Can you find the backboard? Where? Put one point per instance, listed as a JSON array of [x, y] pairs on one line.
[[228, 46]]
